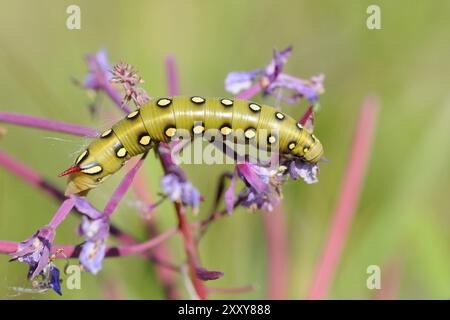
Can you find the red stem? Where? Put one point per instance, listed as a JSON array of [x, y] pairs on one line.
[[348, 199], [191, 250], [166, 277], [277, 253]]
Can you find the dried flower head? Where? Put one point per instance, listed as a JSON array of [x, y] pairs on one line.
[[126, 75]]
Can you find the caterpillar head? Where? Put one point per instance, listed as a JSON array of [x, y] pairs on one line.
[[83, 178], [87, 173]]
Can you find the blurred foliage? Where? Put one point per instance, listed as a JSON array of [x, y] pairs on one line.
[[402, 218]]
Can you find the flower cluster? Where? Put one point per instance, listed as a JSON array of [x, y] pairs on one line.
[[36, 252], [271, 80], [94, 227], [262, 185]]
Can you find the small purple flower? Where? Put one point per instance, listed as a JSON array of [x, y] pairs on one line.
[[99, 70], [207, 275], [300, 88], [300, 169], [179, 189], [275, 67], [92, 255], [272, 80], [259, 200], [94, 229], [36, 251], [85, 207], [238, 81], [263, 187], [255, 176], [55, 280], [92, 252]]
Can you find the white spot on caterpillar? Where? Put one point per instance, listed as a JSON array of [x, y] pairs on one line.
[[164, 102], [226, 102], [145, 140], [197, 100], [92, 170]]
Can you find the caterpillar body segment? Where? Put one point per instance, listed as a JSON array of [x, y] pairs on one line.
[[165, 118]]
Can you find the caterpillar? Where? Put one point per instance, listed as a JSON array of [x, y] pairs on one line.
[[161, 118]]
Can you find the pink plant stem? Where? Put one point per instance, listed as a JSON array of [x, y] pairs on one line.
[[191, 251], [29, 175], [120, 251], [123, 187], [348, 199], [62, 212], [115, 96], [51, 125], [306, 116], [172, 77], [250, 92], [167, 277], [277, 253]]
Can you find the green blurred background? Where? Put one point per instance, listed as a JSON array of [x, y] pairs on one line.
[[402, 219]]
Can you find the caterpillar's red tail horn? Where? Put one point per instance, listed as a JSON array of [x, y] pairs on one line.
[[69, 171]]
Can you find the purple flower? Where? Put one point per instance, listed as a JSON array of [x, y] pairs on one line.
[[238, 81], [92, 255], [300, 88], [55, 280], [179, 189], [259, 200], [263, 187], [272, 80], [92, 252], [300, 169], [99, 70], [36, 251], [84, 207], [275, 67], [94, 229], [206, 275]]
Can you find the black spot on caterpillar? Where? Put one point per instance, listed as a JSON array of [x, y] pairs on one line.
[[162, 118]]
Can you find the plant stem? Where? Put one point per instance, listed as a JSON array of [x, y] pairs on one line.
[[51, 125], [119, 251], [348, 200], [277, 253]]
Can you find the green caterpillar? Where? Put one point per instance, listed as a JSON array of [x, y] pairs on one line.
[[159, 121]]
